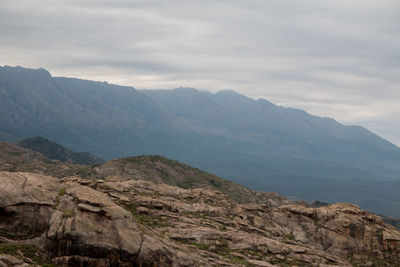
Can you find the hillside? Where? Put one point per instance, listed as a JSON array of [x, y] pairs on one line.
[[159, 169], [14, 158], [153, 211], [151, 168], [252, 142], [126, 222], [55, 151]]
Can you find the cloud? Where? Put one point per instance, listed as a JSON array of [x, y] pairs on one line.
[[332, 58]]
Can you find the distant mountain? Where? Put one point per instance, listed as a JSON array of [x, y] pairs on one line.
[[270, 130], [106, 120], [253, 142], [55, 151]]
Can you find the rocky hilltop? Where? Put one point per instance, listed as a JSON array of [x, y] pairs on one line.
[[153, 211], [158, 169], [120, 221]]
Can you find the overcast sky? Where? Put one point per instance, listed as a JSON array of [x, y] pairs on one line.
[[336, 58]]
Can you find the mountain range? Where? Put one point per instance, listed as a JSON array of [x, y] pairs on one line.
[[252, 142]]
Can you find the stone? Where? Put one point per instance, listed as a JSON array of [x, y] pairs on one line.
[[11, 261], [128, 222]]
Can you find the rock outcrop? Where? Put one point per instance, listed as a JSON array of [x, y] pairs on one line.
[[126, 222]]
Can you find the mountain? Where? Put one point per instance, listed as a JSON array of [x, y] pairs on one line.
[[82, 115], [253, 142], [55, 151], [275, 131]]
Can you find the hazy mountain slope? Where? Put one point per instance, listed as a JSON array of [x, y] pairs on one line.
[[83, 115], [253, 142], [380, 197], [281, 131], [55, 151], [192, 126]]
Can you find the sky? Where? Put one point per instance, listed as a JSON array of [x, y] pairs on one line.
[[334, 58]]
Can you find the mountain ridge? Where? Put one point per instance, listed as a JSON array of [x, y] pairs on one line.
[[250, 141]]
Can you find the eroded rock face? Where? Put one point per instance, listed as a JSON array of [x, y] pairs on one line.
[[88, 224], [26, 204], [125, 222]]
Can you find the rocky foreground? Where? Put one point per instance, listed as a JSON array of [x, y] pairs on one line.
[[119, 221]]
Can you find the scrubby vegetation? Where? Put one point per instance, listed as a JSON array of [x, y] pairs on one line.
[[26, 251]]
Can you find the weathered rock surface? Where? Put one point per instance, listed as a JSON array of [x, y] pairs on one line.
[[8, 261], [125, 222]]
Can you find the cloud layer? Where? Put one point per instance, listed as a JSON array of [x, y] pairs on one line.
[[335, 58]]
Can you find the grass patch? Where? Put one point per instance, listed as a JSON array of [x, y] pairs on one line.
[[198, 215], [240, 261], [86, 172], [28, 251], [221, 248], [10, 235], [289, 236], [62, 191], [147, 219], [255, 254], [68, 213], [363, 260], [318, 224], [201, 246], [289, 262]]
